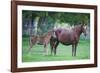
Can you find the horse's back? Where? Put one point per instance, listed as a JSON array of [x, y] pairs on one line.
[[66, 36]]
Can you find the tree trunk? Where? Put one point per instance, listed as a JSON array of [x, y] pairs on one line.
[[36, 25]]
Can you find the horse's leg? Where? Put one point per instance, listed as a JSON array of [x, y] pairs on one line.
[[75, 49], [51, 45], [55, 47]]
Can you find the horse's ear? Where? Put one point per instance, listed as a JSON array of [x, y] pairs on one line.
[[83, 25]]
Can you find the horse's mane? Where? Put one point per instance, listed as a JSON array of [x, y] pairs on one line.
[[77, 26]]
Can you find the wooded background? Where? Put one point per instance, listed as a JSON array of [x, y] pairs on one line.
[[39, 22]]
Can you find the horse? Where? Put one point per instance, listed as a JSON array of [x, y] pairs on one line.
[[41, 40], [67, 37]]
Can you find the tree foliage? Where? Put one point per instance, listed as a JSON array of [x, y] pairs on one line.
[[47, 20]]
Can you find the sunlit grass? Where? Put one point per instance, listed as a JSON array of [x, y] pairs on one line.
[[63, 52]]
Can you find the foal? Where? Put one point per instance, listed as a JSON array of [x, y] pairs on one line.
[[41, 40]]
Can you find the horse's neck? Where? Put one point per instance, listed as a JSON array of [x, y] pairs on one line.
[[77, 31]]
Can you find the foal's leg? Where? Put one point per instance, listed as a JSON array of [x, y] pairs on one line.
[[46, 49], [30, 48], [30, 45], [52, 44], [55, 47]]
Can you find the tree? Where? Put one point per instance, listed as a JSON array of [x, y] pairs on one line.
[[42, 21]]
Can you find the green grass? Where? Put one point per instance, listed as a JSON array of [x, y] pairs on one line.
[[63, 52]]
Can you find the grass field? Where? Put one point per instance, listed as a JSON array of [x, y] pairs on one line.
[[63, 52]]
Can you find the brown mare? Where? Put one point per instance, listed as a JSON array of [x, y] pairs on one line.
[[67, 37], [41, 40]]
